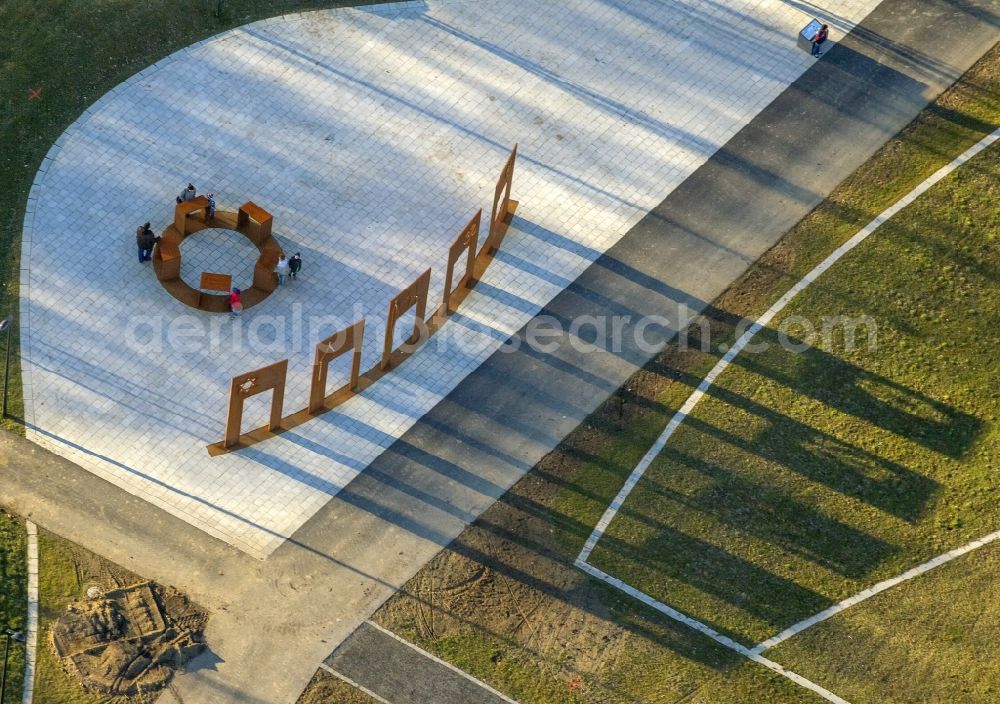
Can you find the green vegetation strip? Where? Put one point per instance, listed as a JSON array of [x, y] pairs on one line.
[[13, 598], [835, 456]]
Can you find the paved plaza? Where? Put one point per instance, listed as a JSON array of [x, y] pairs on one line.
[[372, 135], [218, 250]]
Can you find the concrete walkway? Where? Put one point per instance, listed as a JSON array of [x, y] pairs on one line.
[[276, 620]]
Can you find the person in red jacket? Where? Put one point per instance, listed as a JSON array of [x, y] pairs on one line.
[[818, 40], [235, 303]]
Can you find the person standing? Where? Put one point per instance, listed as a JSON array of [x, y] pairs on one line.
[[235, 303], [295, 265], [145, 239], [187, 194], [210, 210], [819, 39], [282, 269]]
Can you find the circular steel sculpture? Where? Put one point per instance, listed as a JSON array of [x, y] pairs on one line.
[[251, 221]]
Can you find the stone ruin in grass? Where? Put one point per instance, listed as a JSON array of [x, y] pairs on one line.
[[128, 642]]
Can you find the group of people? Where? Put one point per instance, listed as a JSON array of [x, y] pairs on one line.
[[190, 193], [288, 268], [146, 239], [285, 269]]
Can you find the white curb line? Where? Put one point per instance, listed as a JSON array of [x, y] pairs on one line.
[[873, 590], [31, 630], [354, 684], [714, 635]]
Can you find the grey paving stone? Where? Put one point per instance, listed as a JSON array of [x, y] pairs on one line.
[[372, 137]]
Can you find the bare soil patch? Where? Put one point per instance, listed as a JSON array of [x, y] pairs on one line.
[[128, 641]]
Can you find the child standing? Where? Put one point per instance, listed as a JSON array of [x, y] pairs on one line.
[[295, 264], [235, 303], [210, 211]]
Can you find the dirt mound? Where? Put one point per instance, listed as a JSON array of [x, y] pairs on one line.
[[128, 642]]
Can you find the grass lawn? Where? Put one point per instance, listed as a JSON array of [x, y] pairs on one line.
[[72, 52], [940, 629], [13, 597], [803, 478], [806, 476], [958, 119]]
